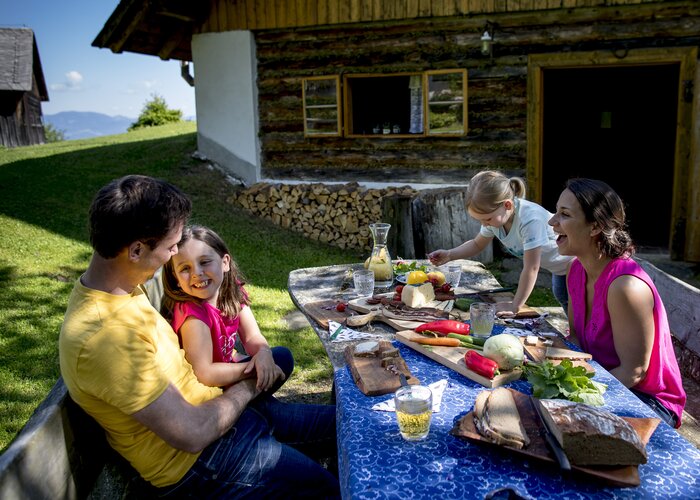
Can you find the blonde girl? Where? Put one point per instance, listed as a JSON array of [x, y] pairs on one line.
[[499, 204]]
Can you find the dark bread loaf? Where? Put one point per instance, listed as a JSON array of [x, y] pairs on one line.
[[591, 436]]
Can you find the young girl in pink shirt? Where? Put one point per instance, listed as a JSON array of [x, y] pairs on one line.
[[209, 309]]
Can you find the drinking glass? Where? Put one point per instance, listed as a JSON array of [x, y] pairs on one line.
[[453, 273], [364, 282], [414, 410], [481, 317]]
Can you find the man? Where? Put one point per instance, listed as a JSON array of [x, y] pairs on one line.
[[122, 364]]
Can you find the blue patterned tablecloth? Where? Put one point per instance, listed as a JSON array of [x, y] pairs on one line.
[[375, 462]]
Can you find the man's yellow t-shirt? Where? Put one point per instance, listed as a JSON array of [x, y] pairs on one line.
[[118, 355]]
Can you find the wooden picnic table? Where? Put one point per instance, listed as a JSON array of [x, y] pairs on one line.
[[334, 283]]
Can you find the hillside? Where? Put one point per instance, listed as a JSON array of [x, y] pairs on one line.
[[86, 124]]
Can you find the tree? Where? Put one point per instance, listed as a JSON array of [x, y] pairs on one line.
[[155, 112], [52, 134]]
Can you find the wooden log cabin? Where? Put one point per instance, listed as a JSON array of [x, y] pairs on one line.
[[22, 89], [419, 91]]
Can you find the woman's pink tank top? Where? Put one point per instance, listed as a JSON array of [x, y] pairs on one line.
[[663, 378]]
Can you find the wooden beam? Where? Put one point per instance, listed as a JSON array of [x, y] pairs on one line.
[[172, 41], [131, 27]]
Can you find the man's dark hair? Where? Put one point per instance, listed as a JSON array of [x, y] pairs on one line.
[[135, 208]]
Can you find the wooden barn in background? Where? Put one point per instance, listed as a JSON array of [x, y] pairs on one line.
[[22, 89], [432, 91]]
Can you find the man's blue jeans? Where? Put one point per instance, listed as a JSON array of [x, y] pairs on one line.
[[267, 455]]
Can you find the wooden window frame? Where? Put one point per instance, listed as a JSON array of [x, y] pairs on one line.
[[427, 103], [344, 96], [338, 127]]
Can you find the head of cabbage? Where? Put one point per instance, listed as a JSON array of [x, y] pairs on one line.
[[505, 349]]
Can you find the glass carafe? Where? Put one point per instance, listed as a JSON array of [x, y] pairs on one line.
[[380, 260]]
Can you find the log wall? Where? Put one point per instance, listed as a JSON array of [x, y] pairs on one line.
[[497, 106]]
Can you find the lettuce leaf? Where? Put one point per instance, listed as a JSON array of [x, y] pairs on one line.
[[564, 381]]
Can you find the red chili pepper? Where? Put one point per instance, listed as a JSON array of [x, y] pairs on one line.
[[480, 364], [444, 326]]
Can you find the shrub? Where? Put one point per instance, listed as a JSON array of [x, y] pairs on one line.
[[155, 112], [52, 134]]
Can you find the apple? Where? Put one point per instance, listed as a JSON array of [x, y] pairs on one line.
[[437, 276]]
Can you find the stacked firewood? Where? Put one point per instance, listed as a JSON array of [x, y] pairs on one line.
[[337, 214]]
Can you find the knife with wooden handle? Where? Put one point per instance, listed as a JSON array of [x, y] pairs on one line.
[[552, 442]]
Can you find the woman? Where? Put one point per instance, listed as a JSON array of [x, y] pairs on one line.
[[615, 312]]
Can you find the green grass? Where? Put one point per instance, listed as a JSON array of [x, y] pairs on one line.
[[45, 192]]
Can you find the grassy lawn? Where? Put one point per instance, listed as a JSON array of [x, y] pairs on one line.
[[45, 192]]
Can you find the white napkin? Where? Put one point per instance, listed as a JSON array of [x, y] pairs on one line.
[[437, 389], [340, 333]]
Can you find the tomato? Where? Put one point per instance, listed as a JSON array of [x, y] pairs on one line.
[[340, 307]]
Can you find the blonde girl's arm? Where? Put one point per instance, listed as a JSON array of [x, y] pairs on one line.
[[262, 364], [196, 341], [467, 249], [528, 278], [631, 308]]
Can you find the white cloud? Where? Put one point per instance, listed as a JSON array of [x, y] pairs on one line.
[[73, 81], [74, 78]]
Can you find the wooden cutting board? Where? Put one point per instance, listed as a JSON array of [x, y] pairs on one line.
[[624, 476], [371, 377], [360, 305], [538, 352], [453, 358], [324, 311], [524, 312]]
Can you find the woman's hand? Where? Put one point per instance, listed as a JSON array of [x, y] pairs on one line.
[[265, 368]]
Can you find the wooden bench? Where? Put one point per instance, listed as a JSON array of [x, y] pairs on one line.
[[62, 453], [682, 303]]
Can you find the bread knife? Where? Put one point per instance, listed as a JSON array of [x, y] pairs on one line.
[[549, 437]]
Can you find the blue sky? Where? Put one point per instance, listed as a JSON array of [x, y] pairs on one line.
[[81, 77]]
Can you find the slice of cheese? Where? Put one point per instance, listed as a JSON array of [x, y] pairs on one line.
[[417, 295]]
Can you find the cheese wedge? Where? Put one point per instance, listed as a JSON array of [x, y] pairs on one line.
[[417, 295]]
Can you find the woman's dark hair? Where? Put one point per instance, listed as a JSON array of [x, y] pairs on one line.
[[602, 205], [232, 295], [135, 208]]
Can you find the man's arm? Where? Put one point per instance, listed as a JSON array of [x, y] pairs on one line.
[[192, 428]]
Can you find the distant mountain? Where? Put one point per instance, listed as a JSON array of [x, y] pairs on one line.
[[86, 124]]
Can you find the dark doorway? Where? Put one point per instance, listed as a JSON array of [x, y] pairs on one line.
[[617, 124]]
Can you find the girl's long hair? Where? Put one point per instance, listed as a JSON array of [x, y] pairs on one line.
[[232, 295]]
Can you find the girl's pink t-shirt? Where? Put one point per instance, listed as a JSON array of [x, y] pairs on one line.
[[223, 330], [663, 378]]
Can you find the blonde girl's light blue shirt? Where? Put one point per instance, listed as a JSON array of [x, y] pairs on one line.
[[530, 230]]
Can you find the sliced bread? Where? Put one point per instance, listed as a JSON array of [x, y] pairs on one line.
[[496, 418]]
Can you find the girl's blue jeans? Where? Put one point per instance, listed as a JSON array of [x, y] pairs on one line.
[[559, 290]]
